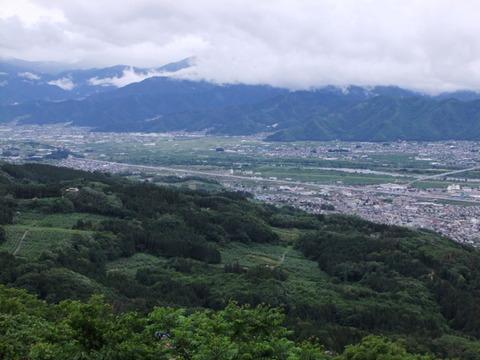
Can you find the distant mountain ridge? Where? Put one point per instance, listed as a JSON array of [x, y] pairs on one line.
[[385, 118], [123, 98], [22, 81]]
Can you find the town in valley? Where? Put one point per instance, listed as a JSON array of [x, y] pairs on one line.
[[428, 185]]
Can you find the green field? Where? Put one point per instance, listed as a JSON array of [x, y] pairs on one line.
[[34, 232], [254, 155], [325, 176], [31, 241]]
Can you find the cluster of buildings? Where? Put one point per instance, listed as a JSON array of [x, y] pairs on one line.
[[440, 212], [431, 154]]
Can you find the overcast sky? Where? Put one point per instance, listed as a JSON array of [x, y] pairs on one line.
[[432, 45]]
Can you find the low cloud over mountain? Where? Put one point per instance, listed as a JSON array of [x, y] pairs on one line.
[[429, 45]]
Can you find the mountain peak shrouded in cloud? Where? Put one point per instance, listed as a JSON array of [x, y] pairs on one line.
[[130, 74], [429, 45], [22, 81]]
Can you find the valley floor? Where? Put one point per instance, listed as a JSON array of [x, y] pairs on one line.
[[431, 185]]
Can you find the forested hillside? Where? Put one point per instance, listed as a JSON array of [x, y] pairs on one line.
[[68, 235]]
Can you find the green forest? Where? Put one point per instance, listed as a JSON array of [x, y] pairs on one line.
[[95, 266]]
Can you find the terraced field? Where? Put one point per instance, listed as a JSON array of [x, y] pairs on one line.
[[30, 241]]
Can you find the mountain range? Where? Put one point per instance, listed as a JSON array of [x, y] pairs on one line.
[[124, 98], [23, 81]]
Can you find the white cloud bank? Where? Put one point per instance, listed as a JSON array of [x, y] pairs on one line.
[[129, 76], [430, 45], [29, 76], [64, 83]]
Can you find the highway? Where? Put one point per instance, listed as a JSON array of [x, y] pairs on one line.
[[436, 176], [325, 187]]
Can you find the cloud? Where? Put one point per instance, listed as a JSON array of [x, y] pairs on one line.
[[129, 75], [64, 83], [29, 76], [429, 45]]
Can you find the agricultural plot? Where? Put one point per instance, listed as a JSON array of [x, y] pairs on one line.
[[32, 241], [324, 176], [256, 156]]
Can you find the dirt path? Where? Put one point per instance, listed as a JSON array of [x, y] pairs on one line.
[[282, 258], [20, 243]]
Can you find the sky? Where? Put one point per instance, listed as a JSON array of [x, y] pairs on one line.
[[427, 45]]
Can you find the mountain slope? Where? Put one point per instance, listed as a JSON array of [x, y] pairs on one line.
[[383, 119], [337, 278], [166, 104], [134, 106]]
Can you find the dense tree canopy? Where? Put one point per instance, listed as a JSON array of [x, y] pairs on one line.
[[31, 329]]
